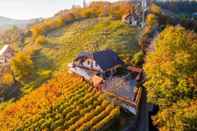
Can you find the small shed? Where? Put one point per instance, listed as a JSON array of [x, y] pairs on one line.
[[5, 54]]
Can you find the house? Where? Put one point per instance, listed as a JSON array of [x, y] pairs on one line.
[[131, 19], [102, 63], [5, 54], [99, 68]]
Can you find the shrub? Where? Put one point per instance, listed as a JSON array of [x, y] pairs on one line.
[[138, 58], [7, 79]]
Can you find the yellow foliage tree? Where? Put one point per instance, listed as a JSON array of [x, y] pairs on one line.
[[151, 20], [155, 9], [22, 66], [40, 40], [171, 69], [171, 74], [7, 80]]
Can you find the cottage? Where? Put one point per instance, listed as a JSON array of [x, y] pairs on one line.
[[102, 63], [5, 54]]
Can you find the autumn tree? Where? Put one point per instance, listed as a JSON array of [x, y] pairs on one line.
[[36, 30], [40, 40], [151, 20], [126, 7], [88, 13], [181, 116], [7, 79], [22, 66], [155, 9], [95, 9], [68, 16], [171, 70]]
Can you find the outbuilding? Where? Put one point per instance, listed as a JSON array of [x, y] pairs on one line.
[[5, 54]]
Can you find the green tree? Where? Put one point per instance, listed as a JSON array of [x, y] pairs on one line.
[[22, 66], [138, 58]]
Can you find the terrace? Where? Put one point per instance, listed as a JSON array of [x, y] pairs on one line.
[[87, 74], [122, 91]]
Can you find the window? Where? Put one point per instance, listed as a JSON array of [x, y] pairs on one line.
[[88, 62]]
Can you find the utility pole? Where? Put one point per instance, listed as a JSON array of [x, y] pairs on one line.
[[84, 3], [144, 6]]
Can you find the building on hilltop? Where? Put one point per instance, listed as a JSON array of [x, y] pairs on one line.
[[100, 69], [5, 54], [101, 63], [137, 17], [131, 19]]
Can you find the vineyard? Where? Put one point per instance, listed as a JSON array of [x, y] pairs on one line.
[[64, 103]]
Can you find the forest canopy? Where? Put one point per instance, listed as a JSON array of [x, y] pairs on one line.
[[171, 72]]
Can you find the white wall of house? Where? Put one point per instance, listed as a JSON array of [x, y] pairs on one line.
[[2, 60], [90, 63], [5, 54]]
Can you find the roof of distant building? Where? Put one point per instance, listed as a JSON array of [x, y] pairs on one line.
[[5, 47], [194, 14]]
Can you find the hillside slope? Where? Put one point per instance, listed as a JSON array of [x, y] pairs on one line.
[[52, 99], [6, 23], [62, 45], [48, 106]]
